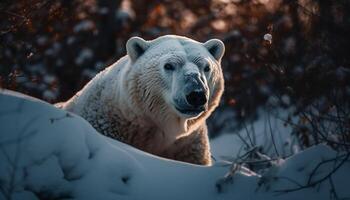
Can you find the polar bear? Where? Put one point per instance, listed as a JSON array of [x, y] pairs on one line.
[[157, 97]]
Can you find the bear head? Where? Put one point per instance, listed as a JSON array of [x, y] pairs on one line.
[[178, 81]]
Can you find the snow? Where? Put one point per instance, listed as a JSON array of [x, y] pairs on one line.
[[224, 146], [84, 25], [70, 40], [89, 73], [47, 153], [42, 40], [49, 95], [54, 50], [259, 133], [84, 55], [268, 37]]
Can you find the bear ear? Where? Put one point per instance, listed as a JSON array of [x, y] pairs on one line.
[[135, 47], [216, 48]]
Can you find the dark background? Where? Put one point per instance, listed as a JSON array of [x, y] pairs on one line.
[[281, 53]]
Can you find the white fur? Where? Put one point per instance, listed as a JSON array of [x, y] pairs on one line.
[[133, 99]]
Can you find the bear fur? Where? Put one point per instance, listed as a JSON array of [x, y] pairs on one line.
[[136, 99]]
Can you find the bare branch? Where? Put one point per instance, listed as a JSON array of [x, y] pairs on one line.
[[311, 183]]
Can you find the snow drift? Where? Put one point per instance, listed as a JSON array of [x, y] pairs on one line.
[[47, 153]]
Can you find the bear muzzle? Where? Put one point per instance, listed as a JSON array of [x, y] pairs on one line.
[[195, 96]]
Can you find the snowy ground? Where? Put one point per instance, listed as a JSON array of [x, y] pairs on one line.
[[46, 153], [270, 126]]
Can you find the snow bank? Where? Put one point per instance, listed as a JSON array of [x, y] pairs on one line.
[[269, 126], [47, 153]]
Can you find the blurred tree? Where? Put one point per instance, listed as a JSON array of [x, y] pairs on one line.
[[278, 53]]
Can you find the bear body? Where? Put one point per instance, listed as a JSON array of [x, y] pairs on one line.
[[157, 97]]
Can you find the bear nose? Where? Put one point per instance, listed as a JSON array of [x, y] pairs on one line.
[[196, 98]]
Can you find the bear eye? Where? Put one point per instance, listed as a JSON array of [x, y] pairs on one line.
[[169, 67], [207, 68]]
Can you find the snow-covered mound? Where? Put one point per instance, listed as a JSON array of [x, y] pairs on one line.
[[47, 153]]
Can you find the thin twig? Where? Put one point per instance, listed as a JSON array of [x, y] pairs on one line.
[[272, 136], [248, 134]]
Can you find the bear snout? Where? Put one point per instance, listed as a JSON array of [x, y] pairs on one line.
[[196, 98]]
